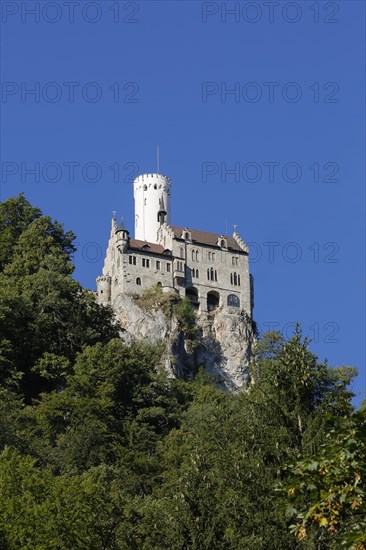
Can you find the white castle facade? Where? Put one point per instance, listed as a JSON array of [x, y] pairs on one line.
[[212, 270]]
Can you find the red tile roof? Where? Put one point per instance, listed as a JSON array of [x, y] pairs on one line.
[[150, 247], [203, 237]]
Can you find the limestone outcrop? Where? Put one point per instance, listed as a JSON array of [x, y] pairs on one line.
[[222, 344]]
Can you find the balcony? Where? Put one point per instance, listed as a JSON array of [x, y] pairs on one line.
[[179, 269]]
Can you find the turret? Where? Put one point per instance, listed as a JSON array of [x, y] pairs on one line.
[[103, 290], [122, 237], [152, 205]]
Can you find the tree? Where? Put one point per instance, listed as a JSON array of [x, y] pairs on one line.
[[327, 492]]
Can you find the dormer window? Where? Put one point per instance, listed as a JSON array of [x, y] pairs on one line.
[[222, 242], [186, 235]]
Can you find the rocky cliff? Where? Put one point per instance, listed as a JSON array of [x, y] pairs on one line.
[[221, 341]]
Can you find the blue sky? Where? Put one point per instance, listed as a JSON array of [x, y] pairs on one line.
[[259, 114]]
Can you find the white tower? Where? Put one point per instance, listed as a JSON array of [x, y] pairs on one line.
[[152, 204]]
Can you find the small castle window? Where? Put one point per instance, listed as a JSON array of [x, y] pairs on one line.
[[213, 256], [197, 256], [197, 273], [238, 280], [233, 301], [157, 264], [209, 255], [215, 275], [186, 236], [101, 291], [155, 186], [193, 255], [138, 281], [181, 252], [208, 274], [132, 260], [145, 262], [168, 268], [145, 187]]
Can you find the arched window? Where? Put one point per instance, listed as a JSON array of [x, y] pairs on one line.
[[193, 256], [235, 279], [238, 280], [159, 284], [215, 275], [213, 256], [197, 273], [138, 281], [231, 278], [222, 244], [181, 252], [145, 187], [186, 236], [197, 256], [155, 186], [208, 274], [233, 301], [212, 274]]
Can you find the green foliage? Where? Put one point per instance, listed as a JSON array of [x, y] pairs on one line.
[[327, 492], [154, 298], [101, 449]]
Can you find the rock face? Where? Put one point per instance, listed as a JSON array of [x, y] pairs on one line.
[[223, 345]]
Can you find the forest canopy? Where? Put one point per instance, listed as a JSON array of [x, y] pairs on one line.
[[101, 449]]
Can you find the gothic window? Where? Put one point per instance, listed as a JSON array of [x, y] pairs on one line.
[[197, 273], [235, 279], [138, 281], [193, 273], [193, 255], [233, 301], [231, 278], [197, 256], [215, 275], [208, 274], [211, 274], [238, 280]]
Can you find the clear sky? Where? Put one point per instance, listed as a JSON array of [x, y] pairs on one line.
[[258, 108]]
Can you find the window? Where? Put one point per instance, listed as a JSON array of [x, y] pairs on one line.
[[180, 266], [208, 274], [212, 274], [145, 187], [138, 281], [145, 262], [181, 252], [157, 264], [193, 273], [186, 236], [193, 255], [209, 255], [132, 260], [168, 268], [197, 256], [213, 256], [222, 244], [235, 279], [233, 301], [215, 275], [155, 186], [197, 273]]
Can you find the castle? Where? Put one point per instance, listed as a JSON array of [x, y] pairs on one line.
[[212, 270]]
